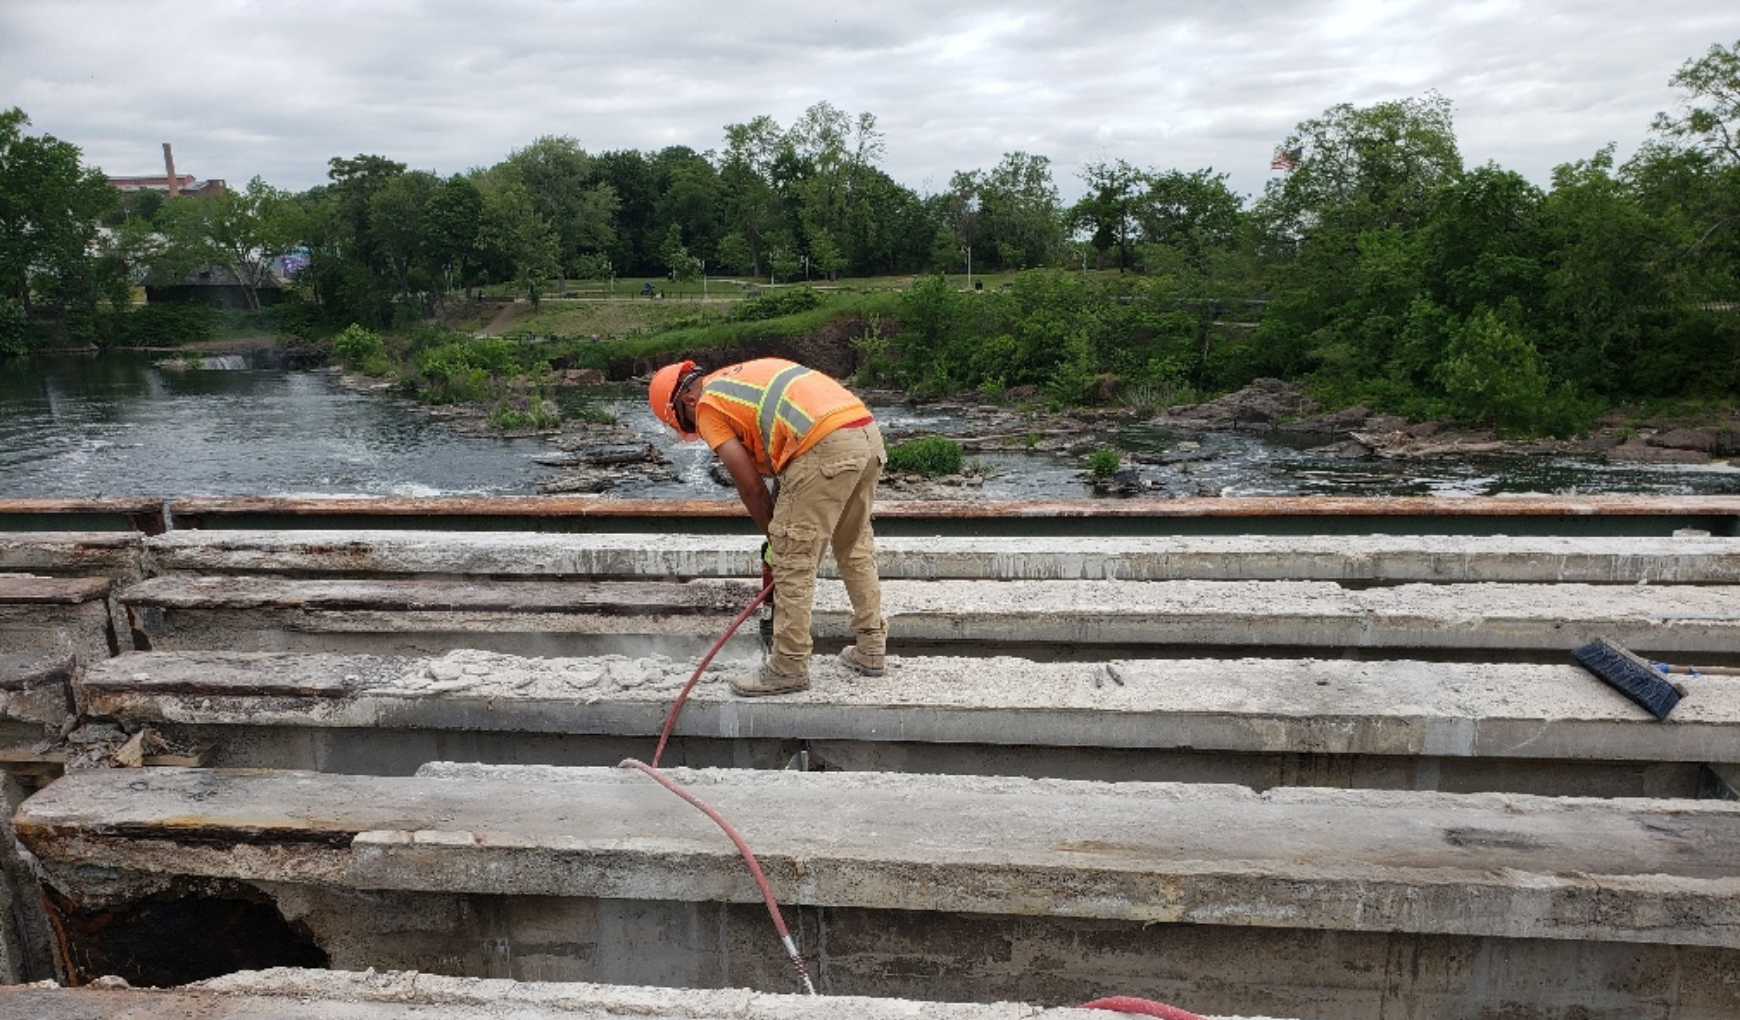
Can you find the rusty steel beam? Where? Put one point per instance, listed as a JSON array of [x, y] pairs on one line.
[[143, 514]]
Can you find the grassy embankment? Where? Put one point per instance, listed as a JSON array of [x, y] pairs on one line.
[[499, 356]]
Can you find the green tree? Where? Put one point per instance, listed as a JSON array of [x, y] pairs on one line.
[[244, 231], [1188, 214], [50, 205], [733, 255], [558, 177], [398, 212], [679, 263], [1492, 373], [1107, 213], [688, 197], [752, 151], [454, 219], [348, 276], [519, 239], [1364, 167], [1020, 217], [1710, 117]]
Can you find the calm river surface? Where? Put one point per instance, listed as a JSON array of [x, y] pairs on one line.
[[120, 425]]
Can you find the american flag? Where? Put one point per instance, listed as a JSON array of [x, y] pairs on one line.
[[1285, 159]]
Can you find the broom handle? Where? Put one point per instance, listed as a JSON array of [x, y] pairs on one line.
[[1662, 667]]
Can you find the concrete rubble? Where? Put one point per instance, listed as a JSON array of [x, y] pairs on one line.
[[286, 994]]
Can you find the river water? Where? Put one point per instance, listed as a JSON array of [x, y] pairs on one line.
[[121, 424]]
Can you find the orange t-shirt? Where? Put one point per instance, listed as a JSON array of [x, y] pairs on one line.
[[775, 408]]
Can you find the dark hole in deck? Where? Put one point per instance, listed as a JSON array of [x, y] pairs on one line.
[[177, 937]]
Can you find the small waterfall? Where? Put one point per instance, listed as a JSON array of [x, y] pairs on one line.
[[224, 363]]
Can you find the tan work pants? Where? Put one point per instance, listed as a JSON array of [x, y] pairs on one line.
[[825, 495]]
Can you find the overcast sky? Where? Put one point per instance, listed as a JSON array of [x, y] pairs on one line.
[[244, 88]]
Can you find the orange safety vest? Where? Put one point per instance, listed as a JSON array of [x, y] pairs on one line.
[[775, 408]]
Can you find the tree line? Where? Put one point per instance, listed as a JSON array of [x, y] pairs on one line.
[[1375, 266]]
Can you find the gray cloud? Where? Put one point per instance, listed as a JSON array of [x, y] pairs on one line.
[[246, 87]]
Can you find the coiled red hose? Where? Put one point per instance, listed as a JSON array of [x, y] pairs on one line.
[[1141, 1007]]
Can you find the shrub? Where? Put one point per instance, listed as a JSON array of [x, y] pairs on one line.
[[595, 416], [161, 325], [1104, 462], [932, 455], [777, 304], [522, 412], [1492, 372], [462, 370], [361, 350]]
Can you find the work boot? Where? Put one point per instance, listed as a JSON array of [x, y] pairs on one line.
[[768, 680], [862, 664]]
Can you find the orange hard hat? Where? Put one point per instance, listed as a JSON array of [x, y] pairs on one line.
[[661, 393]]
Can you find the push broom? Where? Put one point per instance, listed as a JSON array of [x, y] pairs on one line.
[[1639, 679]]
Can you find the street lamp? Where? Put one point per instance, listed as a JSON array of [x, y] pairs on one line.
[[969, 250]]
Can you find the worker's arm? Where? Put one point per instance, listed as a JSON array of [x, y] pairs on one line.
[[750, 488]]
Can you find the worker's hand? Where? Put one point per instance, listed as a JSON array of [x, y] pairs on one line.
[[766, 553]]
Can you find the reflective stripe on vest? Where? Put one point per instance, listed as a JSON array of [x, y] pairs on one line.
[[769, 404]]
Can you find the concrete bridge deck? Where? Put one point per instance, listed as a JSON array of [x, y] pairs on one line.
[[1486, 865], [1358, 558], [416, 616], [126, 557], [1402, 724], [1386, 649], [1365, 904]]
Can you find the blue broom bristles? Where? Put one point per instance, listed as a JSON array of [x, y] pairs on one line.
[[1630, 675]]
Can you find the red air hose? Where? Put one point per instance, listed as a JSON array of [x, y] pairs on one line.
[[797, 960], [683, 696], [1120, 1004], [791, 951], [1141, 1007]]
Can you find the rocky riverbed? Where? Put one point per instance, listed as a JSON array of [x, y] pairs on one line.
[[615, 453]]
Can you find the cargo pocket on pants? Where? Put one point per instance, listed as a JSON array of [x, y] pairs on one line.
[[792, 544]]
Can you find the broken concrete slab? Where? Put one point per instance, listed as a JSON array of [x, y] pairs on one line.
[[56, 615], [1389, 558], [1545, 730], [401, 616], [294, 994], [413, 616], [36, 695], [113, 554], [1318, 706], [1484, 865]]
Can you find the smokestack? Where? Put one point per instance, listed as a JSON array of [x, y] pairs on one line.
[[169, 171]]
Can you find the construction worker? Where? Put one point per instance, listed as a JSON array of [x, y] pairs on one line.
[[772, 418]]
